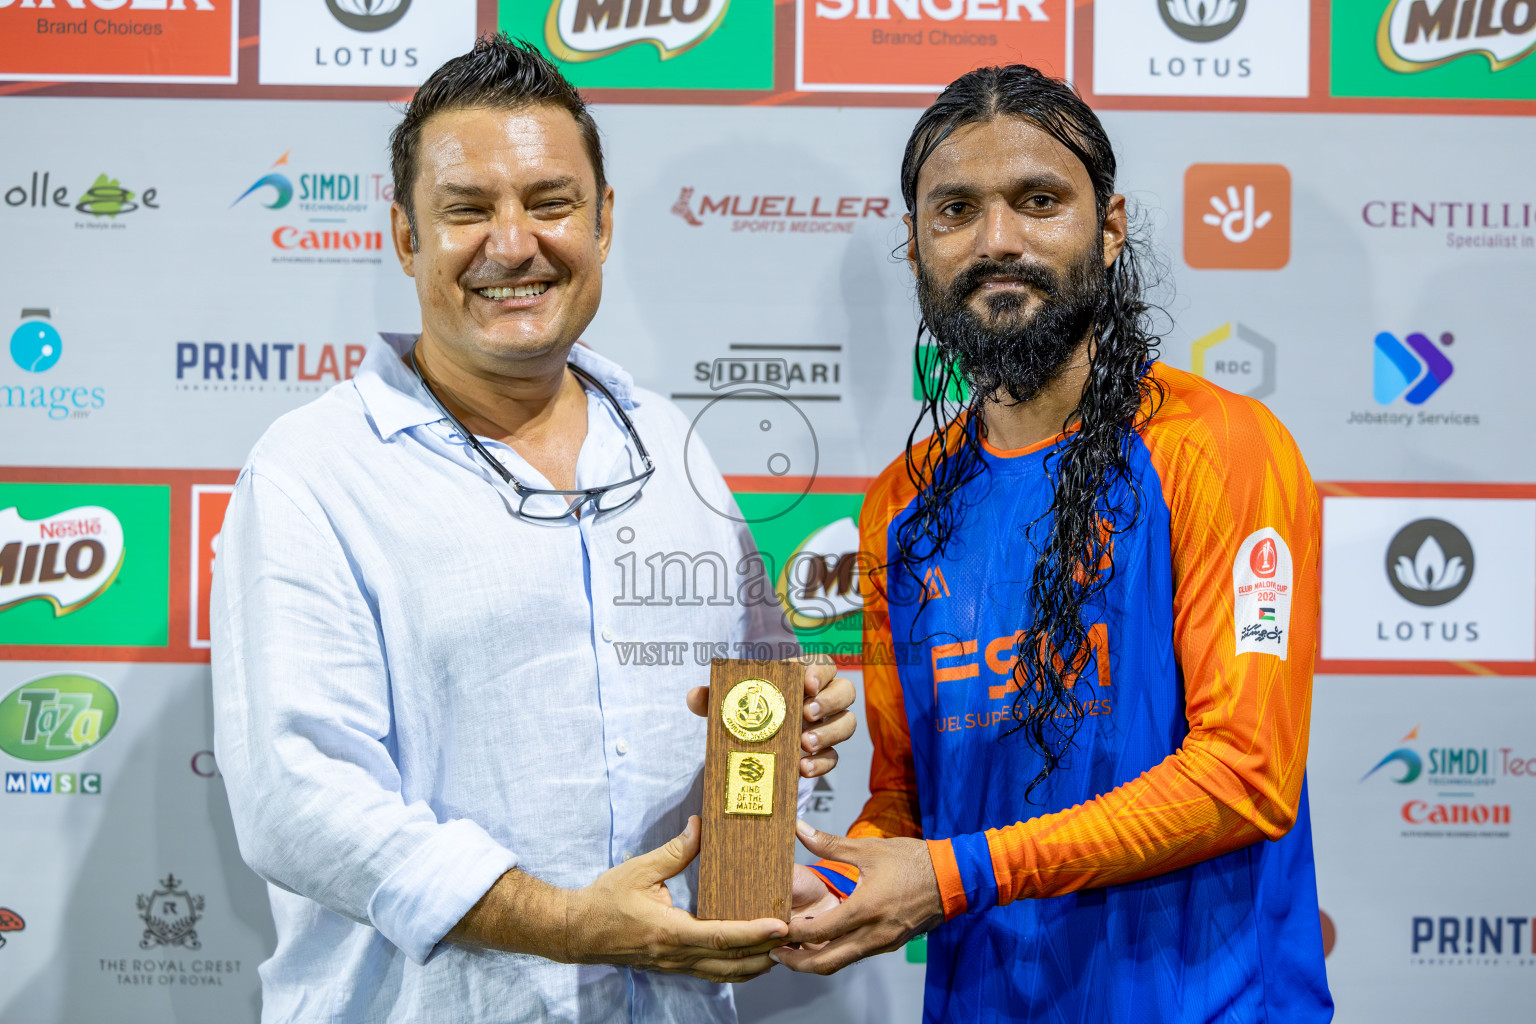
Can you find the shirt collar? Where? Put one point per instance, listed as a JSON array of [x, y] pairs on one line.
[[396, 400]]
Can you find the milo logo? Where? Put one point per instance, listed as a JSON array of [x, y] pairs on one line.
[[56, 717], [67, 559], [578, 30]]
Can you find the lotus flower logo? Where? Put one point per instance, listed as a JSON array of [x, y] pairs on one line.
[[1201, 21], [368, 15], [1430, 562]]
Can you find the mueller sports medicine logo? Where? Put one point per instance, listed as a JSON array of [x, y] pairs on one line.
[[67, 559], [1237, 216], [1416, 35], [1430, 562], [583, 30], [786, 212], [327, 198], [56, 717]]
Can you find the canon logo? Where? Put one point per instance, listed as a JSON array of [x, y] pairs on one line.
[[938, 10]]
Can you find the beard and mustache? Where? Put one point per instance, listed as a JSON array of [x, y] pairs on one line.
[[1011, 352]]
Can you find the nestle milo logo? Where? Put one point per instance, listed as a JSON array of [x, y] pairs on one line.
[[68, 559], [56, 717], [1423, 34], [819, 583], [578, 30]]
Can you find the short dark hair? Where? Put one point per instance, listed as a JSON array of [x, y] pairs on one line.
[[500, 73]]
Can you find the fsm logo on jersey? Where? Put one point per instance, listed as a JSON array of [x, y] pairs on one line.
[[1403, 579], [36, 348], [361, 42], [1201, 48]]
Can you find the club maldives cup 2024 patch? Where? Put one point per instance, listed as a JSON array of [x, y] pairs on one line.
[[1262, 584]]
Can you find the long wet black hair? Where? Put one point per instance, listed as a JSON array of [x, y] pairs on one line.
[[1095, 495]]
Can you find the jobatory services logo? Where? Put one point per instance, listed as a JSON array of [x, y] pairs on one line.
[[651, 44], [187, 41], [102, 205], [36, 348], [1201, 48], [84, 564], [1237, 216], [1410, 372], [780, 214], [1452, 49], [10, 921], [922, 45], [56, 716], [1402, 580], [1237, 358], [328, 215], [361, 42]]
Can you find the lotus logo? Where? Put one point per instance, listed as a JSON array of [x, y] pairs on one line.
[[368, 15], [1201, 21], [580, 30], [1412, 764], [1430, 562], [1425, 34]]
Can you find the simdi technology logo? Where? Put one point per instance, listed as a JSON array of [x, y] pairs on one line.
[[1237, 216], [1201, 48], [651, 44], [84, 564], [1449, 49], [116, 41], [922, 45]]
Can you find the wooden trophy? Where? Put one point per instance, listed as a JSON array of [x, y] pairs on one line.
[[751, 788]]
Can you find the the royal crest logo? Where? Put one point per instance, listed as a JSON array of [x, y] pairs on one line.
[[1416, 35], [170, 915], [582, 30], [67, 559]]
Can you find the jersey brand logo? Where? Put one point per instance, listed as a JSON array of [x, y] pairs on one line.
[[934, 585]]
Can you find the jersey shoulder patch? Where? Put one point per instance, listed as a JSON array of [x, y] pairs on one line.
[[1262, 587]]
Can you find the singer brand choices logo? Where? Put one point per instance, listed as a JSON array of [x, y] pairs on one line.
[[115, 41], [651, 44], [1411, 372], [1237, 216]]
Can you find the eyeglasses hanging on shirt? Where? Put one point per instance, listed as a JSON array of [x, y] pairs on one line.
[[547, 505]]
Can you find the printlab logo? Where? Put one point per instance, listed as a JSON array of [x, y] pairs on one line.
[[1414, 371], [1201, 21], [10, 921], [170, 915], [1236, 357], [1417, 35], [1237, 216], [56, 717], [368, 15], [583, 30], [1430, 562]]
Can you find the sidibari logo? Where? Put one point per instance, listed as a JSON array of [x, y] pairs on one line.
[[1412, 372], [1416, 35], [819, 583], [56, 717], [67, 559], [1201, 21], [368, 15], [1430, 562], [582, 30]]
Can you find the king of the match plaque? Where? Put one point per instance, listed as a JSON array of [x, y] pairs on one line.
[[751, 782]]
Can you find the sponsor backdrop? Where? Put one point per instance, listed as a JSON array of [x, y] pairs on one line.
[[195, 199]]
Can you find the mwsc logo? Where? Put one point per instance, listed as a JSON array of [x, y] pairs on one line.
[[56, 717], [1414, 371]]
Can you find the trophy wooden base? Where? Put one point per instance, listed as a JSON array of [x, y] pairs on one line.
[[751, 786]]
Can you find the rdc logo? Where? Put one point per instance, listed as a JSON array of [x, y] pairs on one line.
[[36, 345]]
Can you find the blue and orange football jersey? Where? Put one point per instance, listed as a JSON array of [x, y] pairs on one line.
[[1163, 872]]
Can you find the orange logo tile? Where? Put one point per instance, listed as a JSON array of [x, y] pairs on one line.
[[1237, 216]]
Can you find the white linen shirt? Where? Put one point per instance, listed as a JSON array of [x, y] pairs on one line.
[[415, 690]]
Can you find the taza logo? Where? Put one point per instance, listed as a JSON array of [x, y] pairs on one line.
[[1201, 21], [170, 915], [56, 717], [368, 15], [1416, 35], [581, 30], [1398, 373], [67, 559], [1430, 562]]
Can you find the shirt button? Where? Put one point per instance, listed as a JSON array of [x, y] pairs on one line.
[[625, 855], [608, 634], [622, 746]]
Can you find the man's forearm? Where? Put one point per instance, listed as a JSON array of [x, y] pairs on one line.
[[519, 914]]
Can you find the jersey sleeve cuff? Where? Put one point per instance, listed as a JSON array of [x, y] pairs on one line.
[[947, 871], [840, 879], [973, 884]]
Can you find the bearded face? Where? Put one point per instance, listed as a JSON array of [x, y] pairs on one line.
[[1013, 342]]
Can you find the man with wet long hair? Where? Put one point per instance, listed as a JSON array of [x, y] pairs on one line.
[[1090, 622]]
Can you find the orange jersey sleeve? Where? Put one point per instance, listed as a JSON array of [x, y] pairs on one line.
[[1243, 517]]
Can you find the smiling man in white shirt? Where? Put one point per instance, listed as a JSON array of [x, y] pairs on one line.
[[468, 807]]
